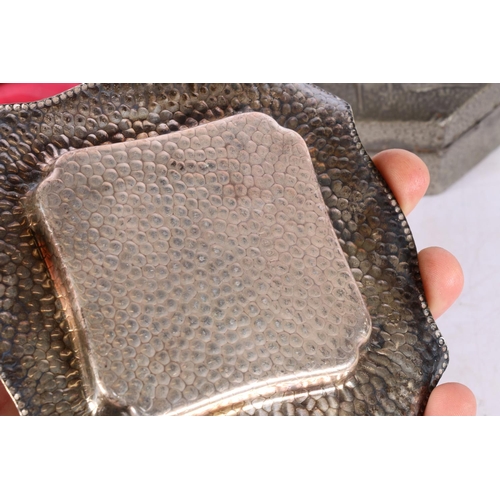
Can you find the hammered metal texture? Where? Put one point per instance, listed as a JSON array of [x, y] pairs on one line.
[[202, 267], [404, 356]]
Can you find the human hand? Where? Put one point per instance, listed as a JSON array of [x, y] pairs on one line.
[[442, 276]]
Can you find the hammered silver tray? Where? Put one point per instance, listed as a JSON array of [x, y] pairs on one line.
[[205, 249]]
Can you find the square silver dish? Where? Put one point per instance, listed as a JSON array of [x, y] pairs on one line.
[[50, 358]]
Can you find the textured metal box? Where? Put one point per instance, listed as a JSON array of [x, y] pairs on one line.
[[450, 126]]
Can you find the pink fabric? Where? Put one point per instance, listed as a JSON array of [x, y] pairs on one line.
[[26, 92]]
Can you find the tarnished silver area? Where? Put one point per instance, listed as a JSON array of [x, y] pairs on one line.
[[200, 269], [44, 370]]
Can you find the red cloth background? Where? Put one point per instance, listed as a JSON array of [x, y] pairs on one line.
[[26, 92]]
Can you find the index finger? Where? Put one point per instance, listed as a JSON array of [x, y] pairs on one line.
[[407, 176]]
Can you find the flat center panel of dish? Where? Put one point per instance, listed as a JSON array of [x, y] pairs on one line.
[[200, 268]]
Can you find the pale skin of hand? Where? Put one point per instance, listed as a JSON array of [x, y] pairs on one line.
[[408, 178], [442, 276]]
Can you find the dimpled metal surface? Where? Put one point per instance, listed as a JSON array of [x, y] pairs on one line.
[[201, 267], [397, 367]]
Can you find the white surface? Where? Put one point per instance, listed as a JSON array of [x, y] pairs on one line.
[[465, 220]]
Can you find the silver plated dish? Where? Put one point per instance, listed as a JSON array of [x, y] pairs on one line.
[[172, 249]]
